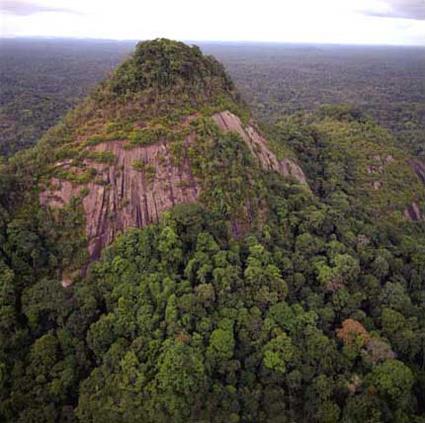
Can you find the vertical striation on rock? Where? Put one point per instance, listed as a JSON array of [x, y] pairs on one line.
[[258, 145], [413, 211], [123, 196], [129, 151], [143, 182], [419, 168]]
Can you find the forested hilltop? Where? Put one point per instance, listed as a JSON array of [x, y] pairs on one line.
[[246, 274]]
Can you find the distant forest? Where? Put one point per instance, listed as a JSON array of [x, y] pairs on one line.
[[41, 79]]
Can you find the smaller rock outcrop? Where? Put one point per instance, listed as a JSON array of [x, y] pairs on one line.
[[379, 163], [413, 212], [228, 122], [419, 168]]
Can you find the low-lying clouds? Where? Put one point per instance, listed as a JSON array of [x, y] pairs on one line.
[[305, 21], [404, 9], [25, 8]]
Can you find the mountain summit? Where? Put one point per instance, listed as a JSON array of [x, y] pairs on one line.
[[166, 128], [164, 65]]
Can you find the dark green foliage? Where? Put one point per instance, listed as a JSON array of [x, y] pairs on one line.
[[161, 64], [181, 322], [232, 183], [265, 302], [349, 158]]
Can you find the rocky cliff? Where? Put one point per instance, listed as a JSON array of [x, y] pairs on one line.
[[131, 192], [142, 182], [154, 135]]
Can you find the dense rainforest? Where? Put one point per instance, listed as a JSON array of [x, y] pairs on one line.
[[270, 297], [40, 79]]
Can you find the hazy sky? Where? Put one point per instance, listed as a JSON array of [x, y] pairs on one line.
[[334, 21]]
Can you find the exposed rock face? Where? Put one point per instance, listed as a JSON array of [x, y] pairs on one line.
[[258, 145], [413, 212], [377, 185], [123, 196], [380, 163], [419, 168], [143, 182]]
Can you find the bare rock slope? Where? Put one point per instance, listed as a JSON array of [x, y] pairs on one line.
[[145, 181], [413, 212]]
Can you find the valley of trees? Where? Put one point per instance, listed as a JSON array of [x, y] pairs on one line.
[[314, 313]]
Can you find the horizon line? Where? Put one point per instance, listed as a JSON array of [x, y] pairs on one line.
[[353, 44]]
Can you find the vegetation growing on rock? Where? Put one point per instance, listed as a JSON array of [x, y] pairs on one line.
[[260, 301]]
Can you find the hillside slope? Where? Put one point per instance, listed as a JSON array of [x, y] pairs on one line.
[[348, 157], [167, 128], [259, 293]]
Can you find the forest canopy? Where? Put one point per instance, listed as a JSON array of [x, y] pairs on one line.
[[269, 299]]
